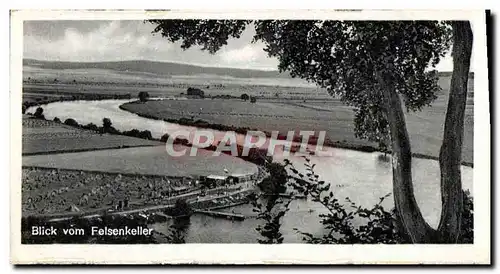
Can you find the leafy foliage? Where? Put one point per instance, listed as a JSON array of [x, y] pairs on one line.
[[143, 96], [71, 122], [275, 183], [211, 35], [345, 222], [39, 113], [107, 126], [345, 57], [467, 226], [244, 97], [177, 231], [270, 206], [181, 208], [377, 224]]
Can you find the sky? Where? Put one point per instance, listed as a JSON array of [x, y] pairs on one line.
[[90, 41]]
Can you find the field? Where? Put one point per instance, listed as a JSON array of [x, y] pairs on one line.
[[41, 137], [425, 127], [143, 160], [49, 191], [170, 80], [62, 164]]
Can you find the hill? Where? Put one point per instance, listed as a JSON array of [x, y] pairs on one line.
[[160, 68], [168, 68]]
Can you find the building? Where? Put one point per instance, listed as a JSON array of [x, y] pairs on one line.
[[212, 181], [195, 92]]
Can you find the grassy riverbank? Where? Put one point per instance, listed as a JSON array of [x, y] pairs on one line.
[[283, 116]]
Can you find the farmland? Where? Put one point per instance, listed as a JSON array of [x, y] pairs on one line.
[[49, 191], [425, 127], [42, 136], [143, 160], [62, 164]]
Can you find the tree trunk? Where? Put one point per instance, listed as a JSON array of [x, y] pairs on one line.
[[450, 155], [414, 224]]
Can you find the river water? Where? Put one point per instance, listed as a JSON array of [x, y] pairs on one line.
[[363, 177]]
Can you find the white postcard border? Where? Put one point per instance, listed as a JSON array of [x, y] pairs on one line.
[[479, 252]]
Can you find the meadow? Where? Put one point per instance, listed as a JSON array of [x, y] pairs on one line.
[[145, 161], [425, 127], [42, 137]]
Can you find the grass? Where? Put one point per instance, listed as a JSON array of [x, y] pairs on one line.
[[143, 160], [425, 127], [110, 81], [43, 137]]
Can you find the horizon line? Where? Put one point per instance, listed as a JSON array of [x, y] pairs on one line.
[[182, 63], [163, 61]]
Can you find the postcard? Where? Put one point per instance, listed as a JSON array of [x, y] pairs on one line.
[[238, 137]]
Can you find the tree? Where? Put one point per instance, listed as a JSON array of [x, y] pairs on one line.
[[181, 209], [370, 66], [107, 127], [275, 183], [39, 113], [450, 156], [143, 96], [164, 138], [106, 124], [195, 92], [270, 206], [244, 97], [71, 122]]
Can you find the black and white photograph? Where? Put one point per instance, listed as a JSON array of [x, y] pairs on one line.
[[176, 130]]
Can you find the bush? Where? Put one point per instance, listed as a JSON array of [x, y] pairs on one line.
[[91, 126], [57, 120], [106, 123], [164, 138], [71, 122], [143, 96], [253, 99], [346, 222], [39, 113], [195, 92], [107, 127], [467, 235], [146, 134], [276, 182], [133, 133], [244, 97], [373, 225], [180, 209]]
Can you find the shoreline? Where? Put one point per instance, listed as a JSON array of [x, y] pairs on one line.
[[243, 130]]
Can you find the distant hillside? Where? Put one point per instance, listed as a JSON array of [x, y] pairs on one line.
[[160, 68], [168, 68]]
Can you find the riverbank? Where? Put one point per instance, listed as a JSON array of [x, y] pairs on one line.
[[349, 142]]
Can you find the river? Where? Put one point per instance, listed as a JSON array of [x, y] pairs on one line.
[[363, 177]]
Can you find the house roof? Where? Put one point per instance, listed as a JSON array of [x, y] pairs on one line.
[[217, 177]]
